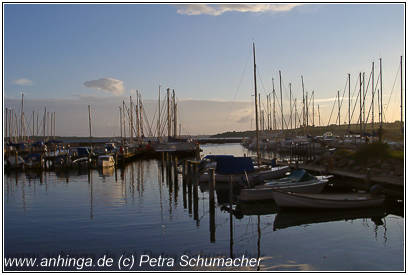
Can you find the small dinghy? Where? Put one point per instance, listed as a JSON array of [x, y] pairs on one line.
[[327, 201], [298, 181]]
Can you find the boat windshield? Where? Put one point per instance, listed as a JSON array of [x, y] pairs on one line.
[[300, 175]]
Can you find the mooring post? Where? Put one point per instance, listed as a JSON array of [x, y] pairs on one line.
[[189, 187], [211, 183], [197, 151], [195, 193], [184, 184], [16, 157]]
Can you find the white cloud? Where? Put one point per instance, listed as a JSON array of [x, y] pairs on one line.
[[23, 82], [197, 9], [109, 85]]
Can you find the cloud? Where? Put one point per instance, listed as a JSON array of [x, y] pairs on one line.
[[197, 9], [109, 85], [23, 82], [242, 115]]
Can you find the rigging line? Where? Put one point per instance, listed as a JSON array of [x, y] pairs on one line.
[[284, 120], [368, 85], [242, 76], [351, 99], [334, 103], [392, 90], [378, 77], [260, 78], [355, 104], [146, 120], [344, 91]]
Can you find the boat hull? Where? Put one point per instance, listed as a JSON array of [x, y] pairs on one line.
[[267, 193], [254, 178], [326, 201]]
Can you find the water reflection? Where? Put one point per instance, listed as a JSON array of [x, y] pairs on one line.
[[135, 209]]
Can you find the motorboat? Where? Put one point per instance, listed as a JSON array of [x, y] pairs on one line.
[[298, 181]]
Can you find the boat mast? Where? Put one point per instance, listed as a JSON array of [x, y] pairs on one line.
[[274, 104], [303, 107], [174, 114], [131, 118], [338, 103], [313, 110], [402, 94], [290, 105], [158, 119], [280, 89], [361, 126], [364, 107], [256, 109], [372, 98], [349, 100], [168, 114], [120, 123], [295, 115], [381, 108]]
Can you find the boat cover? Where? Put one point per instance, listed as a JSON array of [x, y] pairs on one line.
[[234, 165], [217, 157]]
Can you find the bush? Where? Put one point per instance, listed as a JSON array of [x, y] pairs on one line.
[[373, 151]]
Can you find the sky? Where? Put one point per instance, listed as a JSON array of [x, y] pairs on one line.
[[66, 56]]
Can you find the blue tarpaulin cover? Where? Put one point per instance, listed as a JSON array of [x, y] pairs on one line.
[[217, 157], [234, 165]]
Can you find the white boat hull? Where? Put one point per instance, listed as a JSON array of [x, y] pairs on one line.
[[326, 201], [260, 176], [267, 193]]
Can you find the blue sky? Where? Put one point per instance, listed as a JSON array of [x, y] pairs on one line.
[[50, 51]]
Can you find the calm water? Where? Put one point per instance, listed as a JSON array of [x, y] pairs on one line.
[[137, 211]]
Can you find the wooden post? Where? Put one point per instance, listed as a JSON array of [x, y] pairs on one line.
[[231, 223], [189, 186], [184, 184], [211, 183], [195, 194]]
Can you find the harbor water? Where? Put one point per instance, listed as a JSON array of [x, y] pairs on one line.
[[139, 210]]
